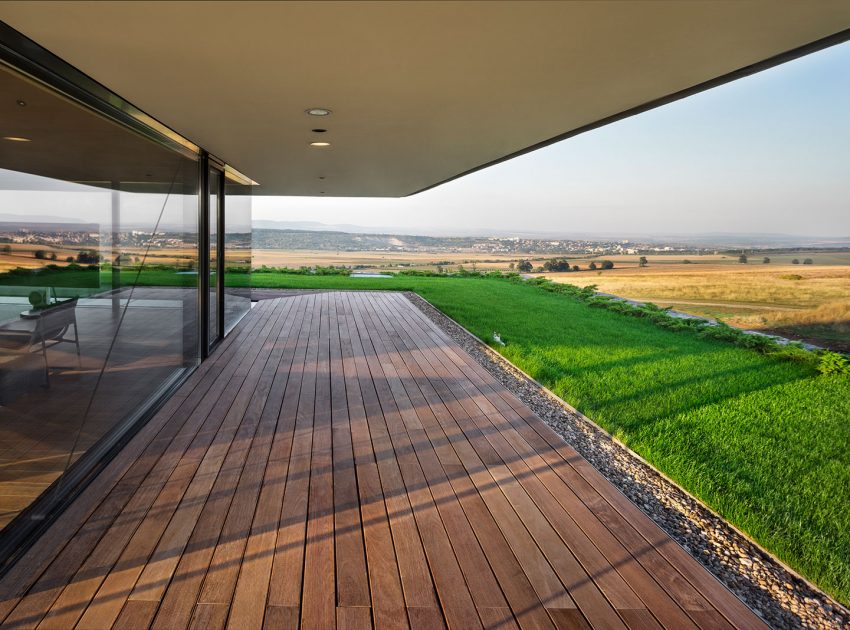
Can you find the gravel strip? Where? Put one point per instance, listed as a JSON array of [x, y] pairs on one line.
[[774, 592]]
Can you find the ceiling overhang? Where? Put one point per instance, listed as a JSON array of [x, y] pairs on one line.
[[421, 92]]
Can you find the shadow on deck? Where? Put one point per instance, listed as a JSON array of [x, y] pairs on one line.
[[339, 461]]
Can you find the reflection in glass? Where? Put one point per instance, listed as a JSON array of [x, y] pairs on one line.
[[215, 187], [98, 283], [237, 250]]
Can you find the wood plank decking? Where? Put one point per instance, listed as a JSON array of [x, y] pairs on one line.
[[339, 461]]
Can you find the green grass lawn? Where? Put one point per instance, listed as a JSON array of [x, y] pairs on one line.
[[765, 442]]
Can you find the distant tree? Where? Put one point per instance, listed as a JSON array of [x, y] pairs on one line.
[[643, 262], [556, 264], [52, 255], [742, 259], [796, 261], [511, 266], [40, 254], [7, 249], [592, 266], [607, 264], [69, 259], [808, 261], [88, 257], [765, 260], [524, 266], [686, 262], [439, 269], [575, 268]]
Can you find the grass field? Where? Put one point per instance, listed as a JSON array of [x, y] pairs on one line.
[[764, 442]]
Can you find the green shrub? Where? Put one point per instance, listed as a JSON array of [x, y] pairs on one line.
[[833, 363]]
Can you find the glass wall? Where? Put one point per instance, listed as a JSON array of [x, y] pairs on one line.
[[237, 249], [214, 195], [98, 283]]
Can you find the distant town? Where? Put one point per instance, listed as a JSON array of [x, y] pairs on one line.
[[80, 236]]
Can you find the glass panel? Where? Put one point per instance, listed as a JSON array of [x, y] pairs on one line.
[[237, 251], [98, 282], [215, 187]]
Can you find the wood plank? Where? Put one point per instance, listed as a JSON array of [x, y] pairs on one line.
[[352, 578], [353, 618], [512, 579], [548, 586], [255, 572], [208, 617], [281, 617], [158, 571], [484, 588], [288, 564], [409, 450], [386, 576], [178, 601], [165, 453], [137, 615], [198, 467], [412, 562], [318, 599]]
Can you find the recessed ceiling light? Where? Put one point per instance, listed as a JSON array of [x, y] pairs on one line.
[[320, 144], [319, 111], [16, 139], [21, 102], [321, 176], [318, 130]]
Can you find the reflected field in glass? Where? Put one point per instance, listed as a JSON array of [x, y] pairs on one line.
[[99, 225], [237, 250]]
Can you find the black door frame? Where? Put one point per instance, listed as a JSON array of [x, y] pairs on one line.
[[209, 162]]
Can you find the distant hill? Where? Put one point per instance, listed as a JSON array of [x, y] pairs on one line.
[[339, 240], [706, 239]]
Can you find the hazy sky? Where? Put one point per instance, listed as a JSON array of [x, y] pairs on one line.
[[768, 153]]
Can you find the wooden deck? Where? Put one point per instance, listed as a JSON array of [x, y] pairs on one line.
[[340, 462]]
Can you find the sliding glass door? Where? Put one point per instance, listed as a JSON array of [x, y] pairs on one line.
[[113, 243], [98, 288], [215, 325]]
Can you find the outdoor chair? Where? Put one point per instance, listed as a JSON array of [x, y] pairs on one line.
[[52, 327]]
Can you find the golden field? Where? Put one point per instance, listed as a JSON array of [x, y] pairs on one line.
[[800, 301], [23, 255], [376, 260]]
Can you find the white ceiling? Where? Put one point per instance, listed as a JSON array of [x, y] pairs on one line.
[[421, 92]]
